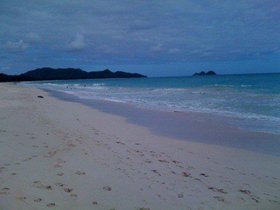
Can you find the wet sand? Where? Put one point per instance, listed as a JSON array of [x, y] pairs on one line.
[[58, 154], [188, 126]]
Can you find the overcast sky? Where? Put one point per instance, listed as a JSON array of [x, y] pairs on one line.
[[157, 38]]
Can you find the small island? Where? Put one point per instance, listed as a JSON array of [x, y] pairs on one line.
[[208, 73], [48, 73]]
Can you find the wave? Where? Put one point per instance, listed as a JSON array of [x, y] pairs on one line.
[[258, 107]]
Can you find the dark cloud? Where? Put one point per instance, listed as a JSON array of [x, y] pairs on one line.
[[16, 46], [132, 32], [78, 43]]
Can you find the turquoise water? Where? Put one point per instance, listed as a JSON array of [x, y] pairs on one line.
[[250, 101]]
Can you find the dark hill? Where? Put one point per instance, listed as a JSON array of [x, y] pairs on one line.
[[51, 74], [47, 73], [9, 78], [202, 73]]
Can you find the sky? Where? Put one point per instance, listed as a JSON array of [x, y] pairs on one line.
[[153, 37]]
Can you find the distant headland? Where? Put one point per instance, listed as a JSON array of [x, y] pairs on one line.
[[202, 73], [48, 73]]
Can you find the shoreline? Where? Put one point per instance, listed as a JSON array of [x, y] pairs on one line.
[[185, 126], [214, 97], [58, 154]]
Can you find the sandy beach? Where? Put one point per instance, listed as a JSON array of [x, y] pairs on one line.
[[62, 155]]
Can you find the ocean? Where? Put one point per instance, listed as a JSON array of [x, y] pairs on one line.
[[250, 102]]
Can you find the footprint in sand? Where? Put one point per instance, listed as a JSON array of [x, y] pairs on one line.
[[51, 154], [38, 184], [68, 190], [59, 184], [186, 174], [60, 174], [107, 188], [80, 173], [247, 192], [71, 145], [37, 200], [156, 172], [22, 198], [180, 195], [163, 161], [214, 189], [48, 187], [27, 159], [255, 199], [219, 198], [51, 205], [57, 166]]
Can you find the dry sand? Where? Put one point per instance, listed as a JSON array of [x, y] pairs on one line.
[[64, 155]]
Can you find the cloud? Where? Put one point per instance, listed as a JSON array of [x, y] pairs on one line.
[[5, 69], [157, 48], [32, 37], [139, 31], [174, 50], [78, 43], [17, 46]]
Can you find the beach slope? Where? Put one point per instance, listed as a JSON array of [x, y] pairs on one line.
[[64, 155]]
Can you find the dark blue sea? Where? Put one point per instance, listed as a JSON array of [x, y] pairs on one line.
[[252, 101]]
